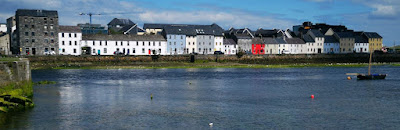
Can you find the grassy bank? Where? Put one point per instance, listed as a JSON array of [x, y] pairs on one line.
[[15, 96]]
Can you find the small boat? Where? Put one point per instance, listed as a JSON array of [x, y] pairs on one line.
[[370, 76]]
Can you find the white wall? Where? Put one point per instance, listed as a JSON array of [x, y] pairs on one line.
[[191, 44], [219, 43], [230, 49], [363, 46], [69, 44], [126, 47]]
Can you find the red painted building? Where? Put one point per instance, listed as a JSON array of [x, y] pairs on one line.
[[258, 49]]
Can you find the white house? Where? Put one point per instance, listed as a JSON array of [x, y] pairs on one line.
[[318, 45], [191, 44], [230, 47], [361, 44], [69, 40], [124, 44]]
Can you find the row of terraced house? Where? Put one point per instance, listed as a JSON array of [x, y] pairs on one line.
[[37, 32]]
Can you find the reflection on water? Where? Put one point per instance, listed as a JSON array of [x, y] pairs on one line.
[[230, 98]]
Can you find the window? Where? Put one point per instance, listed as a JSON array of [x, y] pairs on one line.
[[45, 27], [105, 50], [143, 43], [26, 34], [46, 40], [106, 43], [133, 50], [181, 37], [159, 43], [189, 43], [169, 37], [93, 43], [116, 44], [75, 34], [70, 43], [121, 43], [94, 51], [63, 50], [26, 26], [26, 40], [193, 43], [154, 43], [33, 26], [52, 40], [76, 43], [100, 43], [33, 40], [52, 33], [45, 33], [174, 43], [143, 50], [74, 50], [62, 34], [128, 43], [149, 44], [169, 43], [51, 26], [69, 34]]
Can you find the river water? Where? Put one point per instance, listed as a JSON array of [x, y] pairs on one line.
[[228, 98]]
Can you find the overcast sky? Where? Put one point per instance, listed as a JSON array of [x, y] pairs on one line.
[[380, 16]]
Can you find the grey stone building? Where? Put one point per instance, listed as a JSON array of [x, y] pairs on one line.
[[36, 32]]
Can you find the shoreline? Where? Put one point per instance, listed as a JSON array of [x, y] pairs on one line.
[[209, 65]]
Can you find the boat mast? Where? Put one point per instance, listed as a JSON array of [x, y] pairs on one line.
[[370, 59]]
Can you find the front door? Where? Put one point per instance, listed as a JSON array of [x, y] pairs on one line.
[[319, 51]]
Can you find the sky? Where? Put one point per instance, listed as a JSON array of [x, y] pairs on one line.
[[382, 16]]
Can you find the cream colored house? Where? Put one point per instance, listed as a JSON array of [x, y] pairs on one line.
[[4, 44], [346, 41]]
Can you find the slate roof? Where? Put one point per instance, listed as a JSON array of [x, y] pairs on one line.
[[242, 36], [294, 41], [229, 42], [179, 30], [345, 34], [317, 33], [36, 13], [360, 39], [330, 39], [70, 29], [257, 41], [266, 33], [122, 22], [126, 28], [270, 40], [372, 35], [154, 26], [121, 37], [308, 38], [280, 40]]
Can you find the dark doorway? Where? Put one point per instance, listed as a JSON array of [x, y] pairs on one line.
[[319, 51], [33, 51]]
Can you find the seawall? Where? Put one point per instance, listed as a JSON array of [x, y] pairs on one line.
[[82, 61], [15, 85]]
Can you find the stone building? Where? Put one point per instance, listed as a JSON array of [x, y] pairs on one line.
[[4, 44], [36, 32]]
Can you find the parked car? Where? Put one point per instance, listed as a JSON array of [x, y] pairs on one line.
[[49, 53], [118, 53], [285, 52], [218, 52]]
